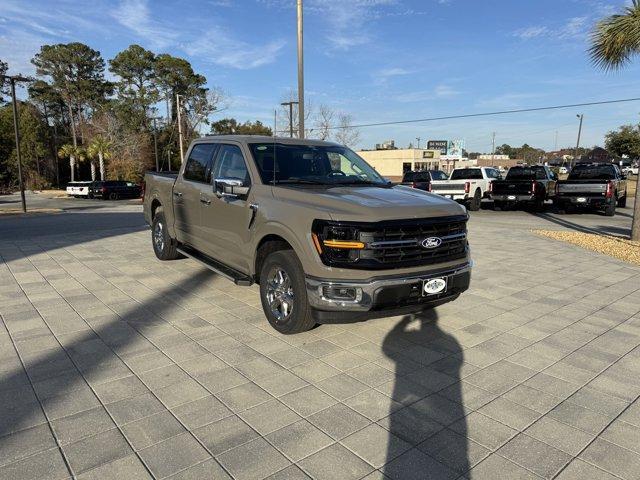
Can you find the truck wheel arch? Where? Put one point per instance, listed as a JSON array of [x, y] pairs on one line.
[[155, 204], [268, 244]]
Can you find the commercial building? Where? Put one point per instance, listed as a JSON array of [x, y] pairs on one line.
[[393, 163]]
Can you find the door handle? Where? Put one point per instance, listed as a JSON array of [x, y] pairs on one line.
[[177, 194], [206, 201]]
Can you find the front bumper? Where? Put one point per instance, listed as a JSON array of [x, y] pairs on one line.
[[384, 296]]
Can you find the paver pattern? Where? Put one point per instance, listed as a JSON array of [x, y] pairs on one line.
[[114, 365]]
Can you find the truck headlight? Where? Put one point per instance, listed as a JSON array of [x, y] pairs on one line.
[[336, 243]]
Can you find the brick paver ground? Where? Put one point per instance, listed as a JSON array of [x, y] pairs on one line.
[[116, 365]]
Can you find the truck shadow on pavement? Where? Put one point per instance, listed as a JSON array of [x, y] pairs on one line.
[[53, 379], [433, 419]]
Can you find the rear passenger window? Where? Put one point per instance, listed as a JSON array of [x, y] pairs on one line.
[[197, 168]]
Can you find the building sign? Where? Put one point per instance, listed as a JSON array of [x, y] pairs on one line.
[[427, 154], [455, 148], [441, 145]]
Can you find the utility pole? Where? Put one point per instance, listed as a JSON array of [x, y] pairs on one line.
[[493, 147], [155, 144], [418, 140], [13, 80], [300, 73], [291, 104], [275, 122], [179, 127], [575, 157]]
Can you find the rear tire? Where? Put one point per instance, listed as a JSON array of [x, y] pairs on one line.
[[114, 196], [622, 201], [610, 210], [283, 293], [474, 204], [164, 246]]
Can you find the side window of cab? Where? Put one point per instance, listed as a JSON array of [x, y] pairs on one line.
[[230, 164], [198, 167]]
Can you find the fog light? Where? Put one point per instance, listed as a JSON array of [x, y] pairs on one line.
[[342, 293]]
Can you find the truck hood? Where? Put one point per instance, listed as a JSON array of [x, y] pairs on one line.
[[370, 204]]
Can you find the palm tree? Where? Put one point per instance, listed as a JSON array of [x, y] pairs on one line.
[[100, 147], [614, 41], [73, 154]]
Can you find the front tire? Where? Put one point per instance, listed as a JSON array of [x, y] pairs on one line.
[[283, 293], [163, 245]]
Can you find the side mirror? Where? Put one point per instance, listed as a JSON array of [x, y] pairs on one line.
[[230, 187]]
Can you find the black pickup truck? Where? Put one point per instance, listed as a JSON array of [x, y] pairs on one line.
[[526, 184], [422, 179], [593, 185]]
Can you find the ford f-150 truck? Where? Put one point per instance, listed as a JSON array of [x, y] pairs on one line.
[[593, 185], [467, 185], [527, 184], [326, 237]]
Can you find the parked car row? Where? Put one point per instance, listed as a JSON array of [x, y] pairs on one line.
[[589, 185], [108, 189]]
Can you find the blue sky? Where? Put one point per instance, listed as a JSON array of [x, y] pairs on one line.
[[379, 60]]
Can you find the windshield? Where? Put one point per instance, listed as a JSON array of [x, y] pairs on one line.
[[592, 172], [466, 173], [312, 164]]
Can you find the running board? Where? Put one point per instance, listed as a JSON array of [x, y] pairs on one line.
[[220, 268]]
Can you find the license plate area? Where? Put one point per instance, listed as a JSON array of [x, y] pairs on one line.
[[434, 286]]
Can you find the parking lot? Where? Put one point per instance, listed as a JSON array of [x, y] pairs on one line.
[[116, 365]]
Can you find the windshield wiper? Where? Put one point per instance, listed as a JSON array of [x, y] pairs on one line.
[[304, 181]]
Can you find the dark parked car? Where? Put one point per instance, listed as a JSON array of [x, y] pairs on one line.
[[527, 184], [422, 179], [593, 185], [114, 190]]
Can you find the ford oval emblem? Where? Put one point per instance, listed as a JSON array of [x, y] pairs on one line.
[[431, 242]]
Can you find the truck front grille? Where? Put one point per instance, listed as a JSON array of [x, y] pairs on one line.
[[398, 245]]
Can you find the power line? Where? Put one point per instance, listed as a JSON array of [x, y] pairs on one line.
[[487, 114]]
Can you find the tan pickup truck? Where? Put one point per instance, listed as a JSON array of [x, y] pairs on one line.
[[326, 237]]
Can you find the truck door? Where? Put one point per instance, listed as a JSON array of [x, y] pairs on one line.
[[226, 217], [195, 179]]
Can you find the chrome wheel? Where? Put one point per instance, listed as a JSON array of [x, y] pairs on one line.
[[158, 237], [279, 294]]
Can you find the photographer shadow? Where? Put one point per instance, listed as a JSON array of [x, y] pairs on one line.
[[428, 435]]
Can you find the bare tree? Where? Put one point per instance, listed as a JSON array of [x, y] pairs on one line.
[[200, 108], [283, 114], [323, 123], [345, 133]]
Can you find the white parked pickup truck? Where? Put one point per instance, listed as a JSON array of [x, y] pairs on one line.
[[467, 185]]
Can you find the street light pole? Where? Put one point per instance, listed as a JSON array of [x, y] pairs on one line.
[[575, 157], [16, 127], [418, 140], [300, 73]]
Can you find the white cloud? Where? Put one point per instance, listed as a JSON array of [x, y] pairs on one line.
[[136, 16], [222, 49], [217, 45], [446, 91], [572, 28]]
